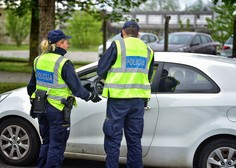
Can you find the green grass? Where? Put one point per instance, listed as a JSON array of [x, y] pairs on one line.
[[13, 47], [4, 87], [8, 59], [15, 67], [22, 65], [26, 47]]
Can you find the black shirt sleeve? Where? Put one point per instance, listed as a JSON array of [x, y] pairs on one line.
[[31, 87], [107, 60], [73, 81]]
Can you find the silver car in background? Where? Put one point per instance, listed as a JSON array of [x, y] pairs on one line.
[[190, 120], [194, 42], [148, 38]]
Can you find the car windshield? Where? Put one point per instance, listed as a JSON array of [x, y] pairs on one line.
[[116, 37], [177, 39]]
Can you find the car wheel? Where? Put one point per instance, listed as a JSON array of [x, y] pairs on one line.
[[219, 153], [19, 142]]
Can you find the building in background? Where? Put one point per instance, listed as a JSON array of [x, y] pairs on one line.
[[154, 22]]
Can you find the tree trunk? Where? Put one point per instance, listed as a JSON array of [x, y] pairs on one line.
[[34, 32], [46, 17], [166, 33]]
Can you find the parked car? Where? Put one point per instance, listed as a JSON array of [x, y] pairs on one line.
[[193, 42], [190, 120], [228, 47], [149, 38]]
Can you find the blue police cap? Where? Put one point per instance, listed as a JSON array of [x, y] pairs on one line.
[[56, 35], [131, 24]]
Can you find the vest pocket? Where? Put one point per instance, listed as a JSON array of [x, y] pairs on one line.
[[40, 101]]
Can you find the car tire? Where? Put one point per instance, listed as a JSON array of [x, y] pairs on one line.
[[19, 142], [216, 154]]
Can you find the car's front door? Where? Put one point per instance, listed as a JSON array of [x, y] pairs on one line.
[[87, 119]]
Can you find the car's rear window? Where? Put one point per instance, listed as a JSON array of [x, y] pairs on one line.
[[179, 39], [229, 41], [184, 79]]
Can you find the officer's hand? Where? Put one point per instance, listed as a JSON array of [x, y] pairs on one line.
[[94, 97], [88, 87]]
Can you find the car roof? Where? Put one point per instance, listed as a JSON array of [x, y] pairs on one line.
[[189, 58], [142, 33], [190, 33], [117, 36]]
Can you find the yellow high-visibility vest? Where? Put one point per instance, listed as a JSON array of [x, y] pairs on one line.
[[48, 70], [128, 77]]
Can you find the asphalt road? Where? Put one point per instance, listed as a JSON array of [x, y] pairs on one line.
[[68, 163], [72, 55]]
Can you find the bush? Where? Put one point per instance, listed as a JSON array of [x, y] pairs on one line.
[[85, 31]]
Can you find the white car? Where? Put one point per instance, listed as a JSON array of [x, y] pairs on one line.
[[148, 38], [190, 120]]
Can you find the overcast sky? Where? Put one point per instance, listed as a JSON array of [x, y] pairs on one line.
[[183, 3]]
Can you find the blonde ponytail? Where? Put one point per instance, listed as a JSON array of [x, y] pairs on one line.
[[45, 46]]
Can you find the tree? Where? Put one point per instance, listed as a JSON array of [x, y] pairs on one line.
[[159, 5], [46, 17], [20, 8], [231, 3], [18, 28], [45, 11], [227, 2], [83, 22], [221, 27], [181, 26], [198, 5]]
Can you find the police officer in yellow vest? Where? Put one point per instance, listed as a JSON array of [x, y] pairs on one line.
[[127, 67], [53, 86]]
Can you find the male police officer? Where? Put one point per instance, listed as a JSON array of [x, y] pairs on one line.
[[53, 86], [127, 68]]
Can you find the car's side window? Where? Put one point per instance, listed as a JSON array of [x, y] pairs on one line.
[[209, 39], [145, 39], [88, 75], [204, 39], [184, 79], [152, 38], [196, 40]]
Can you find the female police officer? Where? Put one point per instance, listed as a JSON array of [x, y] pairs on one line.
[[54, 79]]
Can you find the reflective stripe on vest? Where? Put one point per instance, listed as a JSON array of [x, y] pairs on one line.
[[128, 77]]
